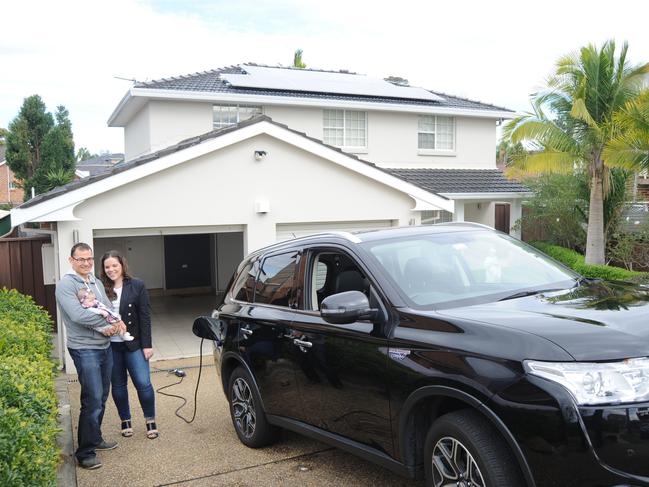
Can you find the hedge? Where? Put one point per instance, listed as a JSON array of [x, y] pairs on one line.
[[576, 261], [29, 453]]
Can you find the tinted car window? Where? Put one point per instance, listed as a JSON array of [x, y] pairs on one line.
[[452, 267], [244, 287], [275, 282]]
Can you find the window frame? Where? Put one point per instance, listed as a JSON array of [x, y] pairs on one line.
[[436, 151], [348, 148], [238, 107]]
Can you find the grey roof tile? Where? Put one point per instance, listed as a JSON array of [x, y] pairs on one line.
[[211, 81], [460, 180]]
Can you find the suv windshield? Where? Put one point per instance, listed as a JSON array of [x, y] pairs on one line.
[[446, 269]]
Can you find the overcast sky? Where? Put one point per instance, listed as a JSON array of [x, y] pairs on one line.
[[71, 51]]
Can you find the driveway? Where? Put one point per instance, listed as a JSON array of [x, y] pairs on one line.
[[207, 452]]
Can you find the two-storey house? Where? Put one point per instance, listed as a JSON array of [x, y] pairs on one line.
[[222, 162]]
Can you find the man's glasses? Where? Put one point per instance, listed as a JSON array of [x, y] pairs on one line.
[[89, 260]]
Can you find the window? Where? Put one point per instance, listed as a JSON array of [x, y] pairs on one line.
[[12, 185], [345, 128], [436, 133], [275, 282], [244, 288], [226, 115], [430, 217]]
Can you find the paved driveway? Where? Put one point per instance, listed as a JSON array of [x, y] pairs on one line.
[[207, 451]]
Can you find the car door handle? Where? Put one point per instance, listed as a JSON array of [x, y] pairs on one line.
[[246, 331], [302, 343]]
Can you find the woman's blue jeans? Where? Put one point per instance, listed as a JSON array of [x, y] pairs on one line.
[[138, 368], [93, 369]]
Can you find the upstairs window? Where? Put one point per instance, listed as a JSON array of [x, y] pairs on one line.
[[436, 133], [226, 115], [345, 128], [12, 185]]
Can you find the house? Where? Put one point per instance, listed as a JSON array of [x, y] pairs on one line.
[[97, 164], [10, 192], [220, 163]]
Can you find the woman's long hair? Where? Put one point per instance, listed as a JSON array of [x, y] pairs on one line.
[[108, 283]]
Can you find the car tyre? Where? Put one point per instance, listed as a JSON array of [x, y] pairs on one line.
[[462, 448], [248, 417]]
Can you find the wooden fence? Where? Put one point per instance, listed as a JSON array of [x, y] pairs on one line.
[[21, 268]]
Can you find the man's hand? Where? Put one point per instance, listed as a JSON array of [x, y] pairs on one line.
[[109, 331], [148, 353], [121, 327]]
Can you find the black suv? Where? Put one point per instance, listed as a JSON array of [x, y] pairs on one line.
[[450, 351]]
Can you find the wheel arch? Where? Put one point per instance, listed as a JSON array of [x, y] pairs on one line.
[[415, 420], [231, 361]]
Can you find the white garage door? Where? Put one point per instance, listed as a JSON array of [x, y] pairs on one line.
[[287, 231]]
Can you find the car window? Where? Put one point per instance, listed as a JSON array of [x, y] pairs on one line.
[[331, 273], [244, 287], [275, 284], [448, 267]]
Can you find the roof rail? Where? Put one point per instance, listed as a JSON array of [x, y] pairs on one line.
[[473, 224], [346, 235]]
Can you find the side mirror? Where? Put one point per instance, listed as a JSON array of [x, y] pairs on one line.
[[209, 328], [347, 307]]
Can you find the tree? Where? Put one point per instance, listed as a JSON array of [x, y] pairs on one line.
[[297, 59], [39, 144], [630, 146], [84, 154], [584, 97]]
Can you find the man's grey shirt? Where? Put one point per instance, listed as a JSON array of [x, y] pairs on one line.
[[81, 324]]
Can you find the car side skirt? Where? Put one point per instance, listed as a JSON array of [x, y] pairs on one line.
[[359, 449]]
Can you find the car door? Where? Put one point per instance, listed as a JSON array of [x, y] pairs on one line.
[[264, 330], [341, 368]]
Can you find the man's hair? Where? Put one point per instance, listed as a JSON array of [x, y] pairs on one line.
[[79, 246]]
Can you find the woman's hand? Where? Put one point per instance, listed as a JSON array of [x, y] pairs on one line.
[[148, 353]]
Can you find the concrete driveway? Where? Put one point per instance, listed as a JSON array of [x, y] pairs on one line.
[[207, 452]]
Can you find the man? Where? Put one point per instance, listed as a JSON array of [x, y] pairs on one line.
[[90, 351]]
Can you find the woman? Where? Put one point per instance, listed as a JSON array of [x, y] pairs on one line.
[[131, 301]]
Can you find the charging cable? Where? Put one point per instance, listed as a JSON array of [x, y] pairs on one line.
[[181, 375]]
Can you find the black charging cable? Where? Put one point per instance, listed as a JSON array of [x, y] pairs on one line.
[[181, 375]]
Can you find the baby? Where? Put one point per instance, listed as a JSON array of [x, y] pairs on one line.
[[89, 301]]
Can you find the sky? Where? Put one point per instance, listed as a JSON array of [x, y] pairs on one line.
[[74, 52]]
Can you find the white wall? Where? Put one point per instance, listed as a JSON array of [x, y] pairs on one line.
[[392, 136], [145, 256], [229, 252], [485, 214], [137, 134]]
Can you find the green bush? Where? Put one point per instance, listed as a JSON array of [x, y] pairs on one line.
[[28, 407], [576, 261]]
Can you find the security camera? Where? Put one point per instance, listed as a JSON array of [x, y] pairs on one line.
[[260, 154]]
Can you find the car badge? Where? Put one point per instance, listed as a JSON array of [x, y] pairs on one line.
[[398, 353]]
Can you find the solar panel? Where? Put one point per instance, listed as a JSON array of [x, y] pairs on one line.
[[323, 82]]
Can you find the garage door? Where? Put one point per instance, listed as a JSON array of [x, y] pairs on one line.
[[287, 231]]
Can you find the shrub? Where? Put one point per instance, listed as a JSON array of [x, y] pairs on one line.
[[576, 261], [28, 406]]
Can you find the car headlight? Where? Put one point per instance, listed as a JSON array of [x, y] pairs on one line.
[[598, 383]]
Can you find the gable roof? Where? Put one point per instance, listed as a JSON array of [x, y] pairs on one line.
[[460, 181], [213, 85], [98, 164], [58, 204]]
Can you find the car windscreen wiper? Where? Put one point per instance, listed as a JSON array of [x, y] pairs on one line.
[[522, 294]]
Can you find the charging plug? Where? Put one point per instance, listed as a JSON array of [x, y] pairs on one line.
[[179, 372]]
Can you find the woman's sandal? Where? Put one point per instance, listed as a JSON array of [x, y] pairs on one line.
[[151, 430], [127, 430]]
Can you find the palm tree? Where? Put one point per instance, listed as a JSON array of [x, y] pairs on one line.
[[584, 96], [630, 147]]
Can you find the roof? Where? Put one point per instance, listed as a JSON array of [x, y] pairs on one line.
[[99, 164], [444, 181], [213, 82]]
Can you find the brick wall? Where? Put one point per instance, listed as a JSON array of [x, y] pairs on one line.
[[13, 196]]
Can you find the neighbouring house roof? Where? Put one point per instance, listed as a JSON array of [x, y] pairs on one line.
[[58, 204], [213, 86], [99, 164], [460, 181]]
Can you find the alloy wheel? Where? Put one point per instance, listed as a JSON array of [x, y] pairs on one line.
[[243, 407], [454, 466]]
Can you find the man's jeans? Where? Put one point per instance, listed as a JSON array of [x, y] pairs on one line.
[[138, 369], [93, 368]]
